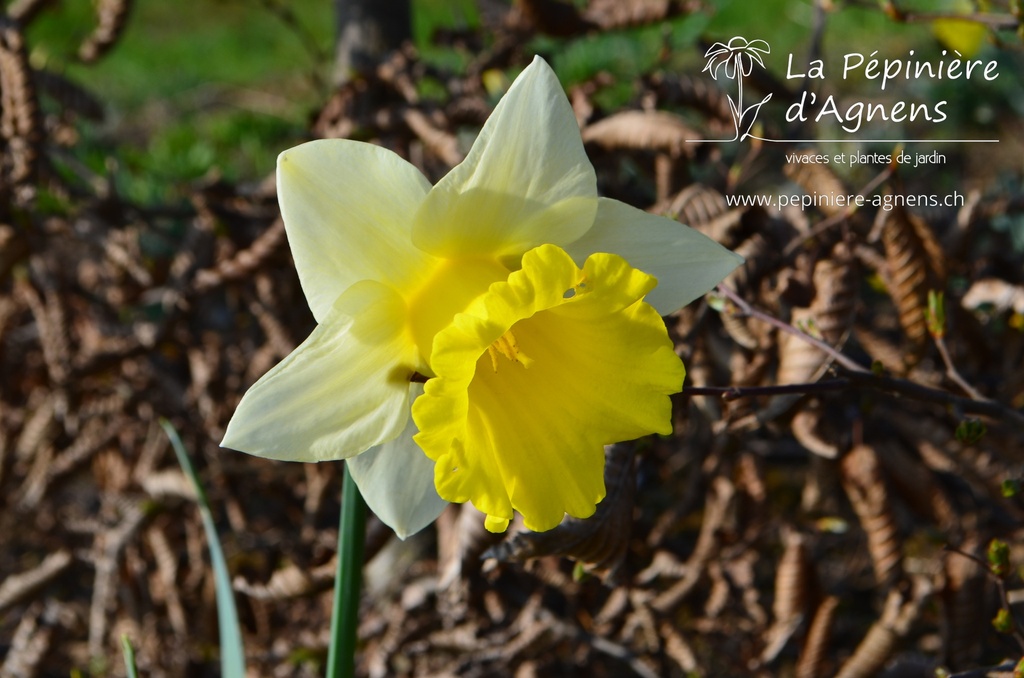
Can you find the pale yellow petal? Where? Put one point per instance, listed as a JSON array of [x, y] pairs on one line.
[[526, 181], [348, 209], [686, 262], [397, 481], [344, 390]]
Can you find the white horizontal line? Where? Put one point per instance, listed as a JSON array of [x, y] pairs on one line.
[[852, 141]]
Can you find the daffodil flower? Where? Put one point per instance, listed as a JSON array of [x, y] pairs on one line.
[[481, 339]]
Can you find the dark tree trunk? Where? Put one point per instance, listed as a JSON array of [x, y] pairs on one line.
[[368, 30]]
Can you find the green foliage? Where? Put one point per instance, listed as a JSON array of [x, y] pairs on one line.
[[1003, 621], [232, 655], [223, 87], [169, 50], [579, 572], [430, 15], [970, 431], [129, 656], [936, 314], [624, 54], [1011, 487], [998, 556], [237, 144]]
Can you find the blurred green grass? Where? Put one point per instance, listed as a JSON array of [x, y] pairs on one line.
[[169, 49], [216, 85], [224, 85]]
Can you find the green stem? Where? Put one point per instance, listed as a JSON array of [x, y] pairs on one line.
[[341, 655]]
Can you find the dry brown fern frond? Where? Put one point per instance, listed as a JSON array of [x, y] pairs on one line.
[[51, 324], [719, 507], [963, 611], [835, 295], [24, 11], [20, 122], [829, 317], [916, 484], [437, 140], [694, 92], [243, 262], [18, 587], [644, 131], [898, 615], [795, 590], [616, 14], [812, 660], [865, 486], [760, 258], [915, 265], [112, 18], [694, 205]]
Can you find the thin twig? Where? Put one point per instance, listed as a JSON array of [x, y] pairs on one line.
[[1018, 628], [858, 375], [745, 309], [737, 392], [953, 374], [989, 408]]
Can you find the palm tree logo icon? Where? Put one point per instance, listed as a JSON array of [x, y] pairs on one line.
[[736, 59]]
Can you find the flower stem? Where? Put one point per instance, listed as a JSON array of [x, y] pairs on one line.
[[341, 655]]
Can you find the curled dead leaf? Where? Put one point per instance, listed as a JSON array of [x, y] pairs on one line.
[[829, 318], [643, 130], [915, 265], [811, 662], [865, 486], [616, 14], [998, 293]]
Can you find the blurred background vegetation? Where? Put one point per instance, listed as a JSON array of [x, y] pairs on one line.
[[224, 85]]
